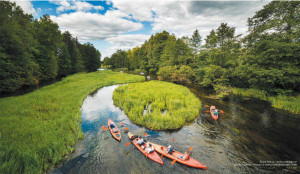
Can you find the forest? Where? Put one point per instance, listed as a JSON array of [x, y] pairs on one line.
[[266, 58], [35, 50]]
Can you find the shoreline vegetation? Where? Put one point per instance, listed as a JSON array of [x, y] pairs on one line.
[[157, 105], [282, 101], [39, 128]]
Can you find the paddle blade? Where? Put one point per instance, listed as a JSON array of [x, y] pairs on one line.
[[145, 134], [206, 105], [207, 111], [122, 122], [162, 155], [173, 162], [127, 144], [191, 148], [105, 128], [173, 140], [221, 111], [126, 128]]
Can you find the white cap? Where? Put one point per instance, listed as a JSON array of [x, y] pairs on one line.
[[169, 146]]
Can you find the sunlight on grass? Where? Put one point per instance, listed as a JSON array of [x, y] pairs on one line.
[[157, 105], [37, 129]]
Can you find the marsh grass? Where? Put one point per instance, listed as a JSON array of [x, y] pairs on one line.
[[37, 129], [289, 103], [169, 106]]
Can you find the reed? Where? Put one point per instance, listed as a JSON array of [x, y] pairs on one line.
[[37, 129], [285, 102], [157, 105]]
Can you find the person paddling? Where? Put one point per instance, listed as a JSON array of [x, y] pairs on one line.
[[150, 148], [140, 141], [169, 150]]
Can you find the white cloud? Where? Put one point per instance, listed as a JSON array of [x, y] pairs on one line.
[[65, 5], [124, 42], [183, 17], [93, 26], [26, 6]]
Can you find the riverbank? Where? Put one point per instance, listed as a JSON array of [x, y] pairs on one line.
[[288, 103], [157, 105], [38, 129]]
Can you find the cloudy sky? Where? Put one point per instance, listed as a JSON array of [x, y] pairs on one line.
[[124, 24]]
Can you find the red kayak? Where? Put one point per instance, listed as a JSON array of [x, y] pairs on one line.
[[116, 134], [153, 156], [212, 109], [178, 157]]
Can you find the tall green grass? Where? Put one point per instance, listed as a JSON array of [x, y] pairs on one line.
[[157, 105], [37, 129], [289, 103]]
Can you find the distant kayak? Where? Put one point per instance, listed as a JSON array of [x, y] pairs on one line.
[[153, 156], [178, 157], [116, 134], [212, 109]]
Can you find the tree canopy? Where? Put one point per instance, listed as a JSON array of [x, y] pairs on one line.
[[267, 58], [32, 50]]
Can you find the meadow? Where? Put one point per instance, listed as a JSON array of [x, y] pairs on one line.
[[39, 128], [157, 105]]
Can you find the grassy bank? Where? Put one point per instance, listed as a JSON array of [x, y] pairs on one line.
[[39, 128], [289, 103], [157, 105]]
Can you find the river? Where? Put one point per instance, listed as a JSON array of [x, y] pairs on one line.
[[250, 137]]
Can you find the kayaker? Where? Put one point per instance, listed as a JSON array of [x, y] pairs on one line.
[[186, 156], [216, 112], [115, 130], [170, 149], [140, 141], [112, 125], [150, 148]]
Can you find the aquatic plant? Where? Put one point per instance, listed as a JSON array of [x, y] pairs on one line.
[[281, 101], [37, 129], [157, 105]]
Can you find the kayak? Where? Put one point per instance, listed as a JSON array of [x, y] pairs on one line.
[[116, 135], [177, 156], [153, 156], [215, 117]]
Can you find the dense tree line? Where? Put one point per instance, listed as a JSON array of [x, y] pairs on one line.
[[32, 50], [268, 58]]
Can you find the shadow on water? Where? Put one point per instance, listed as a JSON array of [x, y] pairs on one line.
[[249, 132]]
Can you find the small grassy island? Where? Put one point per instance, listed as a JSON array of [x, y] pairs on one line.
[[37, 129], [157, 105]]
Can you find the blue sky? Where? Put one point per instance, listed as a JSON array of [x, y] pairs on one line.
[[124, 24]]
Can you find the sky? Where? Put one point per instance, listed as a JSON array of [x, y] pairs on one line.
[[125, 24]]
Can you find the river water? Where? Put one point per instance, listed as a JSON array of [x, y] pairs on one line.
[[250, 137]]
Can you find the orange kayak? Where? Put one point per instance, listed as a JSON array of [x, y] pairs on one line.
[[153, 156], [117, 135], [215, 117], [176, 155]]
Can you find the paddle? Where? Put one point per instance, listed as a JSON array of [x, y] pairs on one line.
[[221, 111], [206, 105], [127, 144], [126, 128], [122, 122]]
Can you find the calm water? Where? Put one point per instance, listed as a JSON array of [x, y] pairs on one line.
[[249, 133]]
